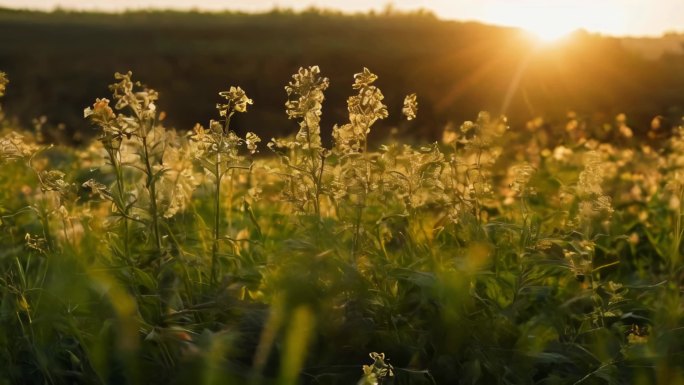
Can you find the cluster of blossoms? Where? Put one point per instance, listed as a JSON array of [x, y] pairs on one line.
[[593, 202], [139, 100], [474, 151], [141, 152], [380, 371], [305, 102], [410, 109], [237, 101], [520, 176], [623, 129], [365, 109], [218, 148], [131, 135], [414, 176], [357, 175], [13, 146], [304, 156]]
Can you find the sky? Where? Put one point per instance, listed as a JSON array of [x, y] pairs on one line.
[[547, 18]]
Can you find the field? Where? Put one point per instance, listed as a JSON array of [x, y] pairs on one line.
[[542, 253]]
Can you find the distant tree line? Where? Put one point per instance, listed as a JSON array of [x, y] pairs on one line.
[[58, 62]]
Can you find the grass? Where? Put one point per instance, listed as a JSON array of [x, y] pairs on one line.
[[495, 256]]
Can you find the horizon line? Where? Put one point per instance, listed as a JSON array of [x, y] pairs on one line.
[[384, 12]]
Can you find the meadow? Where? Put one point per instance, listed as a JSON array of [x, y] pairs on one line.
[[540, 254]]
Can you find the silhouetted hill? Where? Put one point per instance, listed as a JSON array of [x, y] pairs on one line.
[[655, 47], [60, 62]]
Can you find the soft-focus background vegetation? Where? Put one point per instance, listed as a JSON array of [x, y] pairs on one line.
[[60, 61]]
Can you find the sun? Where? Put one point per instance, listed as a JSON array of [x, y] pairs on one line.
[[550, 21], [549, 31], [547, 24]]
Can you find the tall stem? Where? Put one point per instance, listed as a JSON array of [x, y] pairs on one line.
[[217, 217], [123, 207], [362, 203], [319, 183], [218, 172], [313, 171], [151, 187], [45, 222]]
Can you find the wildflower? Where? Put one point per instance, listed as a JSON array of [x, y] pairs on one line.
[[626, 131], [35, 242], [177, 191], [251, 140], [522, 174], [410, 108], [674, 203], [594, 204], [378, 372], [601, 207], [467, 126], [277, 143], [96, 188], [633, 239], [237, 101], [306, 89], [198, 141], [603, 204], [3, 83], [100, 112], [123, 89], [365, 108], [657, 123], [52, 180], [14, 147], [591, 177], [562, 153], [307, 86], [364, 79], [345, 138], [141, 101]]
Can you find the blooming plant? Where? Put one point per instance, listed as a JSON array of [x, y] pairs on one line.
[[153, 256], [304, 157], [217, 149]]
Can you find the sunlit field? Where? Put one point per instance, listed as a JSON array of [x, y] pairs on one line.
[[547, 252]]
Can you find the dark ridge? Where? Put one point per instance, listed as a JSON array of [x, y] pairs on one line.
[[59, 62]]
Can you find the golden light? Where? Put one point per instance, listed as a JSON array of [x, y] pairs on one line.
[[547, 31], [552, 22]]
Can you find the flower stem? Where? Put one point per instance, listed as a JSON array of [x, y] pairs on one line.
[[151, 187]]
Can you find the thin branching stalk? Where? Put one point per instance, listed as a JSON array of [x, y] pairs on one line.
[[231, 192], [319, 184], [120, 200], [217, 212], [360, 206], [314, 179], [217, 221], [42, 211], [151, 187]]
